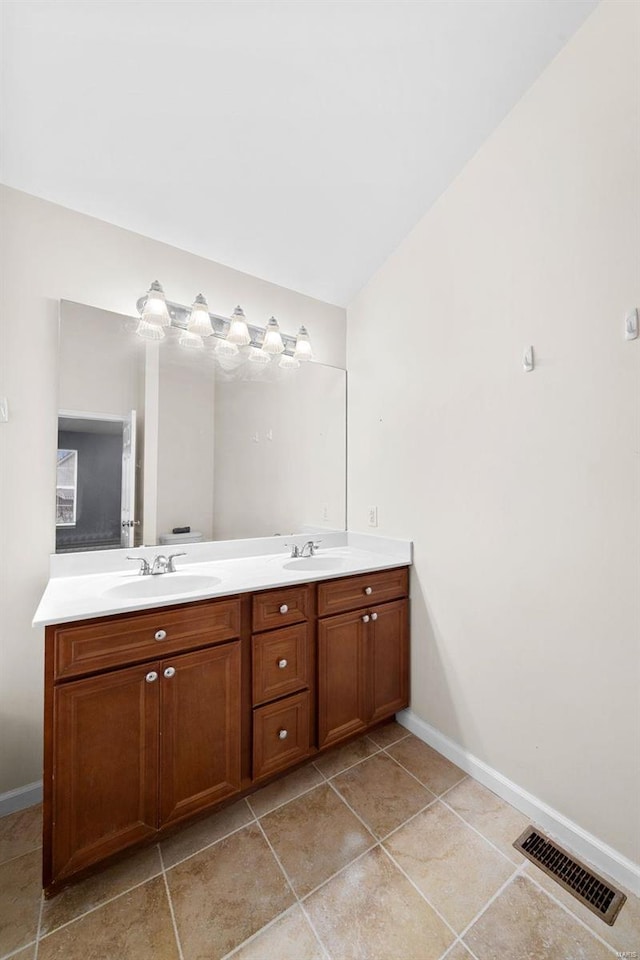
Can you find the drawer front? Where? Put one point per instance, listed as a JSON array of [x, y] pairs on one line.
[[352, 593], [114, 642], [280, 734], [278, 608], [280, 662]]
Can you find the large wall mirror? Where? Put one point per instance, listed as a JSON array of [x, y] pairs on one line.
[[153, 438]]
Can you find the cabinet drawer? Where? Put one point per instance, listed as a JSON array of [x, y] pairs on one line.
[[280, 662], [280, 734], [113, 642], [278, 608], [351, 593]]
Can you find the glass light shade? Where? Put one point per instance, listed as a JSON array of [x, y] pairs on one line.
[[150, 331], [155, 310], [238, 331], [226, 349], [258, 355], [199, 320], [303, 349], [272, 339], [288, 363], [190, 340]]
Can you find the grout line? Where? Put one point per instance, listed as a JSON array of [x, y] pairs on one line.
[[213, 842], [338, 872], [421, 782], [528, 876], [408, 820], [456, 784], [284, 803], [39, 928], [347, 804], [406, 770], [356, 763], [491, 900], [170, 901], [475, 830], [254, 936], [420, 892], [24, 853], [13, 953], [314, 931]]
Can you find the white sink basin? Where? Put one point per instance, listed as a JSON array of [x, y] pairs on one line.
[[314, 563], [163, 585]]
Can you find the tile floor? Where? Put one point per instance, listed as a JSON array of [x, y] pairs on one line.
[[381, 849]]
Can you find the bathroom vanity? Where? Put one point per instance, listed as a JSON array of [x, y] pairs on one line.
[[155, 715]]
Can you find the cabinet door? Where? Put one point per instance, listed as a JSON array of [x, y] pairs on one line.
[[387, 638], [200, 730], [342, 677], [105, 745]]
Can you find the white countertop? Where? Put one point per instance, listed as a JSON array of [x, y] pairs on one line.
[[74, 595]]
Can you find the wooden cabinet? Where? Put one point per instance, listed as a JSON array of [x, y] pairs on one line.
[[153, 717], [363, 655]]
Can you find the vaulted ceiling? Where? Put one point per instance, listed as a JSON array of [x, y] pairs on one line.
[[297, 141]]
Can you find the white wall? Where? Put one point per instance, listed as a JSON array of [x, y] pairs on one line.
[[49, 253], [521, 491]]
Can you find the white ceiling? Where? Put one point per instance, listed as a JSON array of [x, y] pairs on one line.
[[297, 141]]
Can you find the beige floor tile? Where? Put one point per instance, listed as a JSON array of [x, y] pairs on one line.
[[372, 911], [111, 882], [20, 832], [623, 936], [339, 758], [135, 926], [20, 892], [496, 820], [388, 734], [431, 768], [290, 938], [314, 837], [200, 834], [226, 893], [456, 869], [288, 788], [523, 923], [459, 952], [382, 793]]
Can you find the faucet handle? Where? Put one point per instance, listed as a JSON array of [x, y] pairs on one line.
[[145, 569], [170, 564]]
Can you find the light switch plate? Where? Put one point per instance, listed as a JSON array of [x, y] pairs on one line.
[[631, 326], [372, 513], [4, 410]]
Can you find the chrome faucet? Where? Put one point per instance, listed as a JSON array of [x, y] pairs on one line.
[[308, 550], [160, 564]]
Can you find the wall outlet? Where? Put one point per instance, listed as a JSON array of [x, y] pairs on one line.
[[4, 410], [325, 512], [372, 514]]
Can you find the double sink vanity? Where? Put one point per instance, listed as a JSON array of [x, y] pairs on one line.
[[170, 695]]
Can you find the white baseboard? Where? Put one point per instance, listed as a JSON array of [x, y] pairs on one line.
[[20, 798], [601, 856]]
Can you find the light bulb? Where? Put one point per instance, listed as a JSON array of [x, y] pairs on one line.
[[288, 363], [272, 339], [303, 349], [257, 355], [190, 340], [199, 320], [238, 331], [226, 349], [149, 331], [155, 306]]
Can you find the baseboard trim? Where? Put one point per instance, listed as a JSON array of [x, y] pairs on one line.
[[601, 856], [20, 798]]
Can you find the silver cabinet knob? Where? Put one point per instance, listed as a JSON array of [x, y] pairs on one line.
[[283, 734], [161, 634], [170, 672], [368, 591], [284, 608], [151, 676], [282, 664], [374, 616], [365, 619]]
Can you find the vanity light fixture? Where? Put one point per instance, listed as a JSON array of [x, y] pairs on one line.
[[236, 341], [272, 339]]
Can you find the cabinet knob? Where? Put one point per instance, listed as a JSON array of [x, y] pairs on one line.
[[366, 618], [151, 676], [283, 734], [282, 664], [161, 634], [374, 616], [368, 591], [170, 672], [284, 608]]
